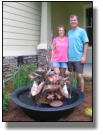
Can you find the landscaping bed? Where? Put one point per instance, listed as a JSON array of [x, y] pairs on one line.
[[15, 113]]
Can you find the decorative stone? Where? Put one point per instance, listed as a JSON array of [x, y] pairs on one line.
[[11, 63], [8, 75]]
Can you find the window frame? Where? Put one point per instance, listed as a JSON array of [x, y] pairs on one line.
[[84, 24]]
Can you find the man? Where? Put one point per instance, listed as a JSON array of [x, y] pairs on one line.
[[78, 46]]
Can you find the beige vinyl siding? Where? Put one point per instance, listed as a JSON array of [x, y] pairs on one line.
[[21, 27]]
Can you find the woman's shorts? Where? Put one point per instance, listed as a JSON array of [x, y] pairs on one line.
[[60, 64]]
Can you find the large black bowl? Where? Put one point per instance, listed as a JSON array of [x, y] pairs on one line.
[[44, 112]]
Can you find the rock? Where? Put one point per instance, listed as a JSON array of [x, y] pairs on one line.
[[8, 75]]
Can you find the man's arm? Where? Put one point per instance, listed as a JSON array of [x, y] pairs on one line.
[[83, 59]]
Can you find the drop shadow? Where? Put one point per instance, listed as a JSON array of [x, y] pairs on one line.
[[70, 125]]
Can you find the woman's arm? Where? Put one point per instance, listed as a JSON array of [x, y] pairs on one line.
[[52, 52]]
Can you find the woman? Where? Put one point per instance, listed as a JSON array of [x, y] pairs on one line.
[[59, 56]]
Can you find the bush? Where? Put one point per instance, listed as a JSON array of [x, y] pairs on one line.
[[22, 79], [74, 81], [6, 98]]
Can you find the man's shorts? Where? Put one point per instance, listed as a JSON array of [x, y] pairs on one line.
[[60, 64], [75, 67]]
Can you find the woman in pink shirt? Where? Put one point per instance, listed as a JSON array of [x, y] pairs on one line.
[[59, 56]]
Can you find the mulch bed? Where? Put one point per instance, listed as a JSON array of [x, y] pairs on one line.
[[15, 113]]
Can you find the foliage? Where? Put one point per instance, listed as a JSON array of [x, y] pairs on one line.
[[74, 81], [6, 98], [87, 79], [88, 112], [22, 79]]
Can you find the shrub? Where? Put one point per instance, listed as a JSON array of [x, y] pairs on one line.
[[22, 79], [6, 98], [74, 81]]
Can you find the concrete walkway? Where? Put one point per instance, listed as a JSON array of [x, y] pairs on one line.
[[87, 70]]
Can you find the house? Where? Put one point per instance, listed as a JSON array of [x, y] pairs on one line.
[[29, 26]]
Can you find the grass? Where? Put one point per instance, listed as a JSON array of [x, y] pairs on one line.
[[74, 81], [6, 98], [22, 79]]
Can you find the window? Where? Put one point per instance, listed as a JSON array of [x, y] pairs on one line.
[[89, 25]]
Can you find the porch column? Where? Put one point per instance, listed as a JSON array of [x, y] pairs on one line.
[[45, 25]]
